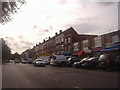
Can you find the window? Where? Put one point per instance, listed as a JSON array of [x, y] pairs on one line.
[[76, 46], [69, 48], [62, 40], [115, 39], [98, 42], [68, 39], [62, 46], [56, 41], [65, 40], [85, 43]]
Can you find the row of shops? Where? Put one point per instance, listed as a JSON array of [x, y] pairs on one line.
[[110, 48], [69, 42]]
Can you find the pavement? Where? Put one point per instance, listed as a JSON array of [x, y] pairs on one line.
[[0, 76], [28, 76]]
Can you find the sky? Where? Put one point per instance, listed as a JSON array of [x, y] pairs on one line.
[[39, 19]]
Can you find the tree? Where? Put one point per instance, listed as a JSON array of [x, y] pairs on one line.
[[15, 56], [6, 51], [7, 9]]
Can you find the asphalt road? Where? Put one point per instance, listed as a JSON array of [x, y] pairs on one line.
[[28, 76]]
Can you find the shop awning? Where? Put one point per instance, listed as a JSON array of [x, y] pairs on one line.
[[81, 53], [111, 49], [97, 49]]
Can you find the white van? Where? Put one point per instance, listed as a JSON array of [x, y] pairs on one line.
[[60, 60]]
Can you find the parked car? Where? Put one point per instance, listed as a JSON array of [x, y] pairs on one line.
[[39, 62], [29, 60], [16, 61], [71, 60], [91, 62], [117, 62], [107, 61], [79, 63], [47, 61], [59, 60], [24, 61]]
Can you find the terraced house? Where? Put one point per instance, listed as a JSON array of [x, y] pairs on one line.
[[61, 43], [70, 42]]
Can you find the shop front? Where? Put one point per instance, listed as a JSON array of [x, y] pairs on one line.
[[97, 51], [113, 48]]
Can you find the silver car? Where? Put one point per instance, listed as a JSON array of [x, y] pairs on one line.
[[39, 62]]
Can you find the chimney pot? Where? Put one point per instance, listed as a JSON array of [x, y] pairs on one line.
[[44, 40], [56, 33], [60, 31]]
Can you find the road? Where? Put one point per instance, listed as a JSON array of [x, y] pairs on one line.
[[0, 76], [28, 76]]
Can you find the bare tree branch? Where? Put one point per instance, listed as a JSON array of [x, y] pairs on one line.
[[8, 8]]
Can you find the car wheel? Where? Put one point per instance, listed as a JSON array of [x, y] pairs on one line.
[[36, 65], [104, 68], [63, 64]]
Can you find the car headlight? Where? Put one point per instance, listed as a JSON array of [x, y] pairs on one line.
[[37, 62], [75, 63]]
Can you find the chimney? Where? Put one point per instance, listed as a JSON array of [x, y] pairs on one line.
[[44, 40], [60, 31], [56, 34], [39, 43]]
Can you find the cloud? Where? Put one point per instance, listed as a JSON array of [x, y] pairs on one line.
[[42, 19], [25, 47], [106, 3], [16, 44], [20, 37], [62, 1], [9, 38], [97, 19], [46, 30], [26, 43]]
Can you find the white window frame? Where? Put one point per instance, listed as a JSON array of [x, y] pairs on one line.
[[69, 39], [98, 41], [85, 43], [115, 39]]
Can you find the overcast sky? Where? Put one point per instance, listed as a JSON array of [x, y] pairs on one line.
[[41, 19]]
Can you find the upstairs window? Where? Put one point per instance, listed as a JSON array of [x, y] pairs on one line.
[[65, 40], [115, 39], [85, 43], [98, 42], [68, 39]]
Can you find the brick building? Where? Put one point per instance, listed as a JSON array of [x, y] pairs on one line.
[[100, 42], [70, 42], [61, 43]]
